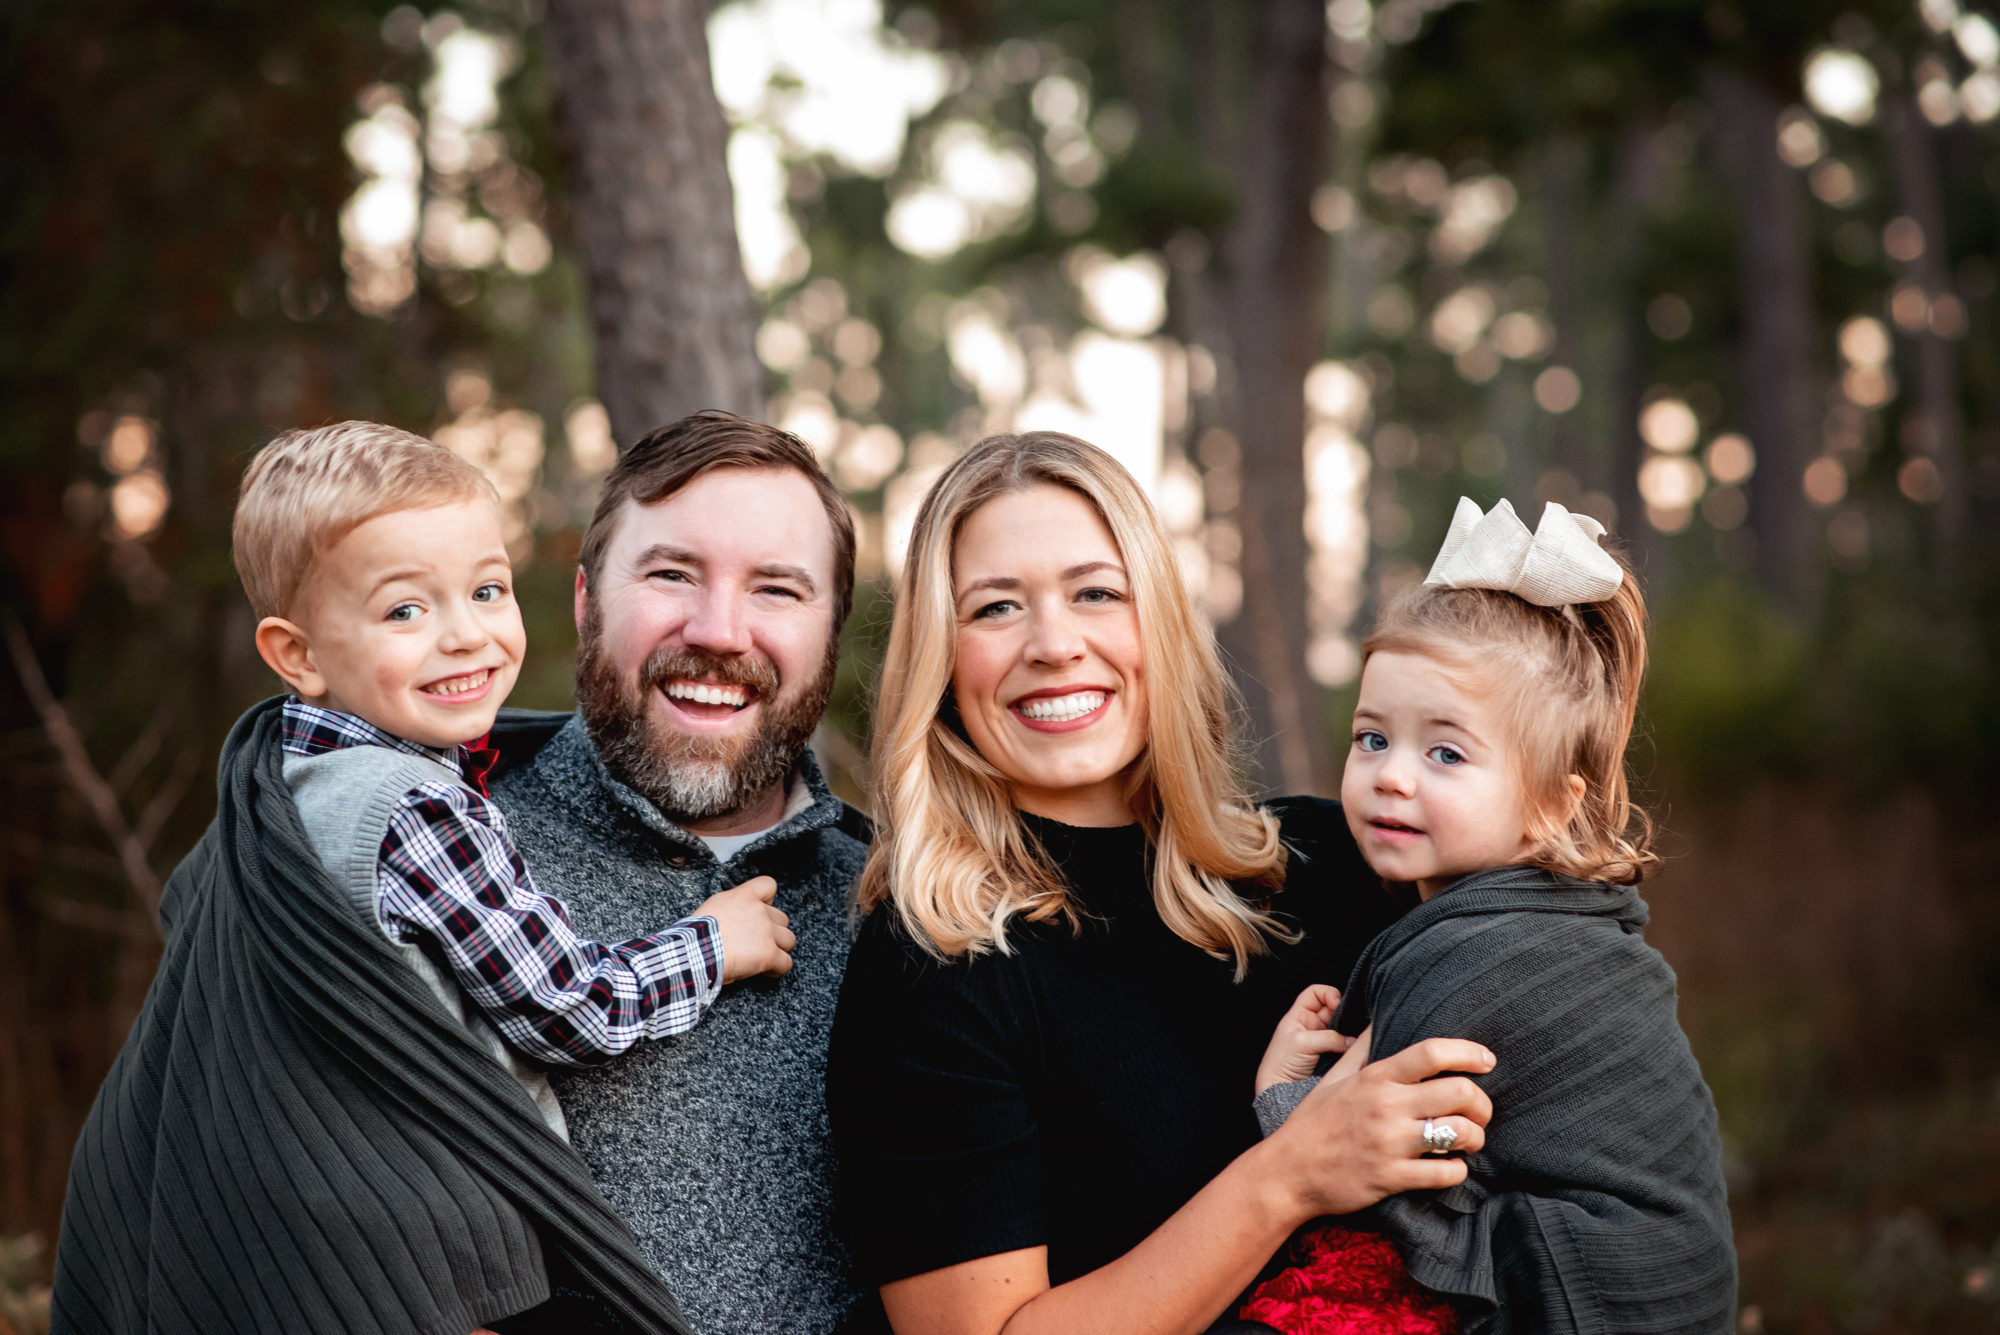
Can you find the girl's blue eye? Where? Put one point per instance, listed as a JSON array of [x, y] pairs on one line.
[[403, 612], [1446, 755], [1367, 739], [489, 593]]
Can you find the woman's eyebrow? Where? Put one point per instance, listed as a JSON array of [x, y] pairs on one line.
[[1090, 568], [990, 582]]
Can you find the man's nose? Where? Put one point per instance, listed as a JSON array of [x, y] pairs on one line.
[[717, 623]]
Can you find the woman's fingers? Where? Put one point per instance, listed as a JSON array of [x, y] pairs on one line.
[[1434, 1056], [1452, 1096], [1321, 1040]]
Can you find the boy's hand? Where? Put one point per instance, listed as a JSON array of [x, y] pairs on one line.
[[755, 938], [1304, 1036]]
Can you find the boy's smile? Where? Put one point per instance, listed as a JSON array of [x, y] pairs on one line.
[[409, 622], [1430, 789]]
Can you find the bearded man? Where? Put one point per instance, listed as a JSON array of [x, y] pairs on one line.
[[711, 588]]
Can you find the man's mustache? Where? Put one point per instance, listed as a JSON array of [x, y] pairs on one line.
[[672, 661]]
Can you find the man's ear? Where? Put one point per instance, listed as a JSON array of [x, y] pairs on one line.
[[286, 651], [582, 597]]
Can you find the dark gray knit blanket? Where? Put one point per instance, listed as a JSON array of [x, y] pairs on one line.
[[297, 1137], [1598, 1203]]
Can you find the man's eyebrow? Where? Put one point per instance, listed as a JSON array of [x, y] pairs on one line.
[[665, 551], [797, 574]]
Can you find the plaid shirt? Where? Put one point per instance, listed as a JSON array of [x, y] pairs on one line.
[[450, 873]]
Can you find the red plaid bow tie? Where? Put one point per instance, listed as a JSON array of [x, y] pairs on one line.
[[476, 761]]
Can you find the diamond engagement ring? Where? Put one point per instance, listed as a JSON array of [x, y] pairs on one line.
[[1438, 1137]]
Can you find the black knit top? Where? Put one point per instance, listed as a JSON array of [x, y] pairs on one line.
[[1078, 1091]]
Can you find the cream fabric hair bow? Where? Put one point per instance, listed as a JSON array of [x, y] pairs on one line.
[[1561, 563]]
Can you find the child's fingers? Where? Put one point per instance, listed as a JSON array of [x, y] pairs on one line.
[[762, 887], [786, 939], [1320, 1041]]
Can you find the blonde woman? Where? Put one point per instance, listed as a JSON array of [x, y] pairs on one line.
[[1079, 935]]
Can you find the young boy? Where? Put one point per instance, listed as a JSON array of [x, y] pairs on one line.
[[376, 562], [314, 1123]]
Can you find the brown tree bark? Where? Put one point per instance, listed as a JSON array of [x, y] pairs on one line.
[[1776, 377], [673, 314], [1936, 426], [1275, 278]]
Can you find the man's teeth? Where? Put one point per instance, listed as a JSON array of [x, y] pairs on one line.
[[703, 693], [459, 685], [1062, 708]]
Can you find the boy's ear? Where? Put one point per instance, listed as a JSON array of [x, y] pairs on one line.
[[286, 651]]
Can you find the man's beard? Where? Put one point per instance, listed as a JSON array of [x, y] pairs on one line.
[[693, 776]]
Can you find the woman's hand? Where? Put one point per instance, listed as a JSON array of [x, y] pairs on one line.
[[1356, 1140], [1304, 1036]]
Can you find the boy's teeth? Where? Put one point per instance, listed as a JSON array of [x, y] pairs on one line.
[[705, 693], [1062, 708], [459, 685]]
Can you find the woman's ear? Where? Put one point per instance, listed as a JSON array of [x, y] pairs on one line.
[[287, 651]]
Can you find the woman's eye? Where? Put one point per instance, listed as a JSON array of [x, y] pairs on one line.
[[994, 609], [1367, 739], [1099, 596], [1446, 755], [403, 612], [489, 593]]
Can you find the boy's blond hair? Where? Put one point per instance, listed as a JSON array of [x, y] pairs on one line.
[[307, 490]]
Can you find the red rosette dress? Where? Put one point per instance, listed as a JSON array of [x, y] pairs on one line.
[[1343, 1281]]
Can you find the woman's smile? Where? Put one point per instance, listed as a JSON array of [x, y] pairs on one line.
[[1062, 709]]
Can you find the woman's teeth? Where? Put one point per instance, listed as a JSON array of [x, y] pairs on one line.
[[459, 685], [1063, 708], [704, 693]]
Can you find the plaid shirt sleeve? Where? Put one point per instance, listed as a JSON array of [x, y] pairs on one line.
[[449, 872]]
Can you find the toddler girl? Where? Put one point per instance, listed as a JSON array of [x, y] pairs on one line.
[[1488, 769]]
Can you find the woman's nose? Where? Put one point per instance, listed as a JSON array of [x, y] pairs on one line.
[[1053, 638]]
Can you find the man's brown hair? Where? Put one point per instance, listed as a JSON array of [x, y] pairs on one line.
[[663, 462]]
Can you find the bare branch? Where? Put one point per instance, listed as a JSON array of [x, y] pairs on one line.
[[166, 799], [144, 747], [97, 917], [83, 775]]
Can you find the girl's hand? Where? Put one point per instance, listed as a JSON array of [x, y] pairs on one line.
[[1359, 1139], [1304, 1036]]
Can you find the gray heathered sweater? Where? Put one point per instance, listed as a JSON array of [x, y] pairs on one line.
[[712, 1145]]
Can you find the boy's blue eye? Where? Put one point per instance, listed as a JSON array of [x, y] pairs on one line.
[[403, 612], [488, 593], [1446, 755], [1367, 739]]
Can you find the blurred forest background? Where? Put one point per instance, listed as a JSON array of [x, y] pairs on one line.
[[1720, 273]]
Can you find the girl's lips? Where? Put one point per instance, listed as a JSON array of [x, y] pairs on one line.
[[1395, 832], [1081, 721]]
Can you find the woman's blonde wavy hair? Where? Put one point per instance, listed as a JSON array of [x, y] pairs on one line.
[[1567, 682], [951, 855]]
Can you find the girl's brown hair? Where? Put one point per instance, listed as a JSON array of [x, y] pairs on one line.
[[1567, 681]]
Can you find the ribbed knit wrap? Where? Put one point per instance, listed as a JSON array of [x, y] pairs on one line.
[[298, 1137], [1598, 1203]]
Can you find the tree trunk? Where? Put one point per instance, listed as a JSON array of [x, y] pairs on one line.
[[1635, 188], [1936, 430], [1775, 307], [1275, 277], [674, 317]]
